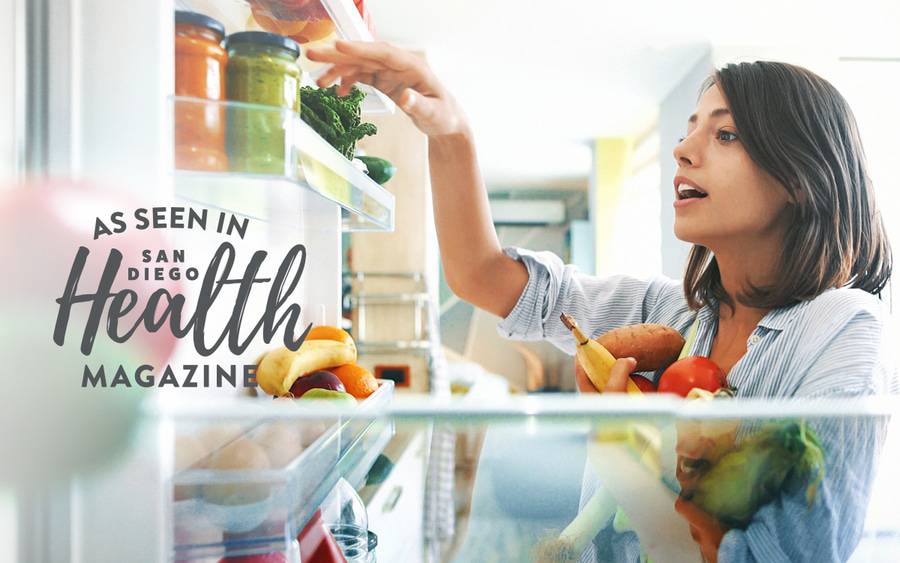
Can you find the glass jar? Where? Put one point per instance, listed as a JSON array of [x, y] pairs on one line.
[[346, 518], [373, 543], [199, 73], [262, 69]]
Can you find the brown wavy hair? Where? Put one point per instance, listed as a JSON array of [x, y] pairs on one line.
[[797, 127]]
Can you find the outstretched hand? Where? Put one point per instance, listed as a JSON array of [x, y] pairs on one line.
[[402, 75]]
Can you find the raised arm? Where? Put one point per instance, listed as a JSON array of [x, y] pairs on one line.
[[476, 268]]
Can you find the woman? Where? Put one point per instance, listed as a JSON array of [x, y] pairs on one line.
[[789, 257]]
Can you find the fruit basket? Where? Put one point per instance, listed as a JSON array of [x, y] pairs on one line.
[[242, 487]]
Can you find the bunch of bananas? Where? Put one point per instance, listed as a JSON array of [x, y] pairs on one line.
[[324, 347], [596, 361]]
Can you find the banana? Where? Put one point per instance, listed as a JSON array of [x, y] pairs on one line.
[[280, 368], [596, 360]]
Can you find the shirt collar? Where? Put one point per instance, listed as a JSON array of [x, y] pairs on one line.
[[778, 319], [709, 312]]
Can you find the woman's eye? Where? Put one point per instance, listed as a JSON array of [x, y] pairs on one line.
[[726, 136]]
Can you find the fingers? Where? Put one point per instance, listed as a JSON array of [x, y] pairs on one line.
[[421, 108], [581, 380], [335, 73], [618, 377], [382, 53], [408, 100], [347, 82], [331, 55]]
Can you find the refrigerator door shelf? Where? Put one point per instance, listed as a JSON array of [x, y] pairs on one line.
[[225, 512], [262, 162], [310, 23]]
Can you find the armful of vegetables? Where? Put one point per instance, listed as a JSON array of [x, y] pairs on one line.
[[724, 484], [756, 471], [654, 346]]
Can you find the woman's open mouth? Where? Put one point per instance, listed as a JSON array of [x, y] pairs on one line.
[[686, 192]]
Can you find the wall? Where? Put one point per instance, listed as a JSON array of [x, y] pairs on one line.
[[411, 248], [674, 111], [625, 205], [612, 160]]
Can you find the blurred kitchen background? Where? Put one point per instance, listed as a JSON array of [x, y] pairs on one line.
[[577, 107]]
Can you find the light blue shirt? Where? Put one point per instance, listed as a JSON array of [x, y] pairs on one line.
[[833, 345]]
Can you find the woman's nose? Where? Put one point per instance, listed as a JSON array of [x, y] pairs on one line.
[[685, 153]]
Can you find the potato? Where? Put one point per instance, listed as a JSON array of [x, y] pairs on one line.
[[654, 346]]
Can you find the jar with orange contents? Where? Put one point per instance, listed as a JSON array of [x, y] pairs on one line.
[[199, 73]]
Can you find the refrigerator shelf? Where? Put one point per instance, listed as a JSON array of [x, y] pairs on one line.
[[317, 22], [261, 162], [233, 512]]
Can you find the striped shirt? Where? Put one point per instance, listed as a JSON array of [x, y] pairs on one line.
[[833, 345]]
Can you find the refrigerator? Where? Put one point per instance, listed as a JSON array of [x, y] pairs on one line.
[[93, 472], [93, 111]]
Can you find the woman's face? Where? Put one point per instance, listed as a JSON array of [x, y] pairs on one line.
[[721, 196]]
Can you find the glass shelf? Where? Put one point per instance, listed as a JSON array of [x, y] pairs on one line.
[[309, 22], [262, 162], [521, 464]]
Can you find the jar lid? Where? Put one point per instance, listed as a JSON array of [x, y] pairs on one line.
[[263, 38], [194, 18]]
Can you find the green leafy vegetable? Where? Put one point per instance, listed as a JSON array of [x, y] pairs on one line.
[[774, 459], [337, 119]]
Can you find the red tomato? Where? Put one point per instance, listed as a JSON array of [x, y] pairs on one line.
[[644, 384], [687, 373]]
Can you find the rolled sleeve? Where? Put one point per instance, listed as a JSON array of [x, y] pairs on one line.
[[545, 273], [598, 304]]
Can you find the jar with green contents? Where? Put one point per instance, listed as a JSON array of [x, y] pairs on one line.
[[262, 69]]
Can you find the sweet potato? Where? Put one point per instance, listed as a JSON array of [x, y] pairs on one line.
[[653, 346]]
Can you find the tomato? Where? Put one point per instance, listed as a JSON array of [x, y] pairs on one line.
[[691, 372], [644, 384]]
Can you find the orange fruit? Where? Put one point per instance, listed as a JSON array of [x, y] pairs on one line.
[[314, 30], [357, 380], [325, 332], [276, 25]]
